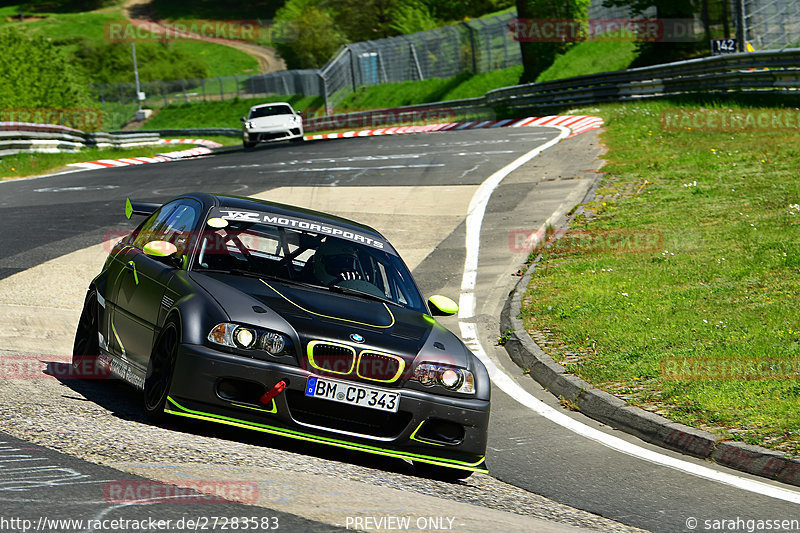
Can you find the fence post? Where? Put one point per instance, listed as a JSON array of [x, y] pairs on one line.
[[505, 46], [472, 47], [163, 93], [352, 67], [416, 61], [456, 50], [183, 89], [203, 85], [102, 98], [741, 31], [236, 85], [384, 79], [221, 90], [323, 89], [487, 34], [121, 94], [285, 83]]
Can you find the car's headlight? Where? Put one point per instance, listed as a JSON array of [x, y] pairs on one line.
[[249, 125], [451, 378], [247, 338]]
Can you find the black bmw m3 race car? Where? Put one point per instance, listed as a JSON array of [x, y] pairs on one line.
[[286, 321]]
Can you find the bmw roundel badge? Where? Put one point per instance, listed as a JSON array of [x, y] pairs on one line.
[[355, 337]]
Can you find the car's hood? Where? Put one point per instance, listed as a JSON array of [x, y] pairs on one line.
[[275, 121], [319, 314]]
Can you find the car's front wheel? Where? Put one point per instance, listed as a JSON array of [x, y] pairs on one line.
[[159, 371], [86, 348], [441, 473]]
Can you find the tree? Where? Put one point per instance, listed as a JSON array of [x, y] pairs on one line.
[[666, 50], [308, 33], [537, 54], [36, 74]]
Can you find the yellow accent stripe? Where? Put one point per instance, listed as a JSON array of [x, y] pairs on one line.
[[272, 410], [414, 436], [332, 317], [189, 413]]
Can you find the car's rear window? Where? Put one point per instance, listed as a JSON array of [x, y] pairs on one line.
[[270, 110]]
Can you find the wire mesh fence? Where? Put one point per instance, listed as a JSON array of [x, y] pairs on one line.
[[478, 45], [772, 24]]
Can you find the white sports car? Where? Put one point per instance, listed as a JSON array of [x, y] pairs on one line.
[[276, 121]]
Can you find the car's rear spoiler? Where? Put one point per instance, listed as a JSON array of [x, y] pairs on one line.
[[139, 208]]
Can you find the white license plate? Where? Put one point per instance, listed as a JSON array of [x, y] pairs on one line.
[[352, 394]]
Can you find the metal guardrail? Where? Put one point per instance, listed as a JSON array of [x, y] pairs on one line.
[[774, 71], [21, 137], [767, 71]]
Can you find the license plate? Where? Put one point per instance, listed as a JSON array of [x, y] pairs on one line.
[[352, 394]]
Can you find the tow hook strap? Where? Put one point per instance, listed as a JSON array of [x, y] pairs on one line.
[[274, 391]]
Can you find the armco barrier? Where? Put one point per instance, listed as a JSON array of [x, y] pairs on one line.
[[23, 137], [770, 71]]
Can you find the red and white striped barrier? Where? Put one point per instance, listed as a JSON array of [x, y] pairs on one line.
[[159, 158], [577, 123], [198, 142]]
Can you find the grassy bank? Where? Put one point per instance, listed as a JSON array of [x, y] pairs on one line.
[[23, 165], [697, 318], [220, 114]]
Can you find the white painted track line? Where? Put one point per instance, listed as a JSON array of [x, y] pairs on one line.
[[477, 210]]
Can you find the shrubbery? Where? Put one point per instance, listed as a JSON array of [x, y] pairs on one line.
[[35, 73]]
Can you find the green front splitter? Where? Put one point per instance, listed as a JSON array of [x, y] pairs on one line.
[[180, 410]]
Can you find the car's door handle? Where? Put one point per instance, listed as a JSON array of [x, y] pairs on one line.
[[132, 267]]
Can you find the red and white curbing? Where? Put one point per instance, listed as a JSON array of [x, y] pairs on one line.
[[204, 149], [577, 123]]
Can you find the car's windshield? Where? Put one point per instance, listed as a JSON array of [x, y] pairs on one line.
[[270, 110], [308, 258]]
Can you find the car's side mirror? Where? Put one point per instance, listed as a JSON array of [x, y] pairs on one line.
[[298, 112], [163, 251], [242, 119], [442, 305]]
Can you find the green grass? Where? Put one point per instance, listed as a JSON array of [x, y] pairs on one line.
[[721, 284], [23, 165], [591, 57], [464, 85], [69, 28], [219, 114]]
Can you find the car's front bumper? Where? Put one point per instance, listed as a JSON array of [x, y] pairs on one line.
[[258, 135], [225, 388]]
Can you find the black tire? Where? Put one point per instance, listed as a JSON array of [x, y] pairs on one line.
[[86, 348], [159, 371], [440, 473], [248, 145]]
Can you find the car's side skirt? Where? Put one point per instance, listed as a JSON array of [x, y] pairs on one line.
[[174, 408]]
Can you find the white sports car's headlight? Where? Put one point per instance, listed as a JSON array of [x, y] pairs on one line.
[[451, 378]]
